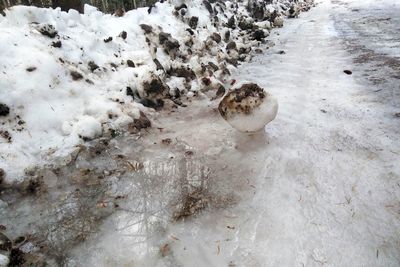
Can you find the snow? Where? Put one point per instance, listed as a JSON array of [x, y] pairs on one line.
[[49, 102], [318, 189], [53, 107], [51, 90], [328, 177], [88, 127]]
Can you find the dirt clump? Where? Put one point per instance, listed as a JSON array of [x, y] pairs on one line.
[[4, 109], [141, 123]]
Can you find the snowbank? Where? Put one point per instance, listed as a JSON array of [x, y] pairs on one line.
[[68, 78]]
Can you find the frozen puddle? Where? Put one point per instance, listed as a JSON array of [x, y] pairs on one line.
[[118, 203], [192, 163], [319, 188]]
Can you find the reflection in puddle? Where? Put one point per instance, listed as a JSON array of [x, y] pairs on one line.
[[97, 205], [115, 202]]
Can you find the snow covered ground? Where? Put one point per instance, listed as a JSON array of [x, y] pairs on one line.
[[321, 186]]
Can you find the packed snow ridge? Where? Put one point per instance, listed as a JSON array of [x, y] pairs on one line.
[[67, 78]]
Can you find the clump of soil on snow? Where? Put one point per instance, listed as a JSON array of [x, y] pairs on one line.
[[123, 35], [193, 22], [93, 66], [130, 63], [169, 44], [2, 175], [4, 109], [31, 69], [146, 28], [155, 88], [233, 101], [47, 30], [76, 76], [35, 185], [183, 72], [56, 44], [107, 40], [6, 135], [216, 37], [141, 123], [348, 72]]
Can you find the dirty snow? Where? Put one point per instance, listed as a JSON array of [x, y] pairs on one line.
[[53, 109], [248, 108], [319, 188], [63, 73]]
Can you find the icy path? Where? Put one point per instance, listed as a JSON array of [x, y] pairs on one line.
[[329, 191], [331, 194]]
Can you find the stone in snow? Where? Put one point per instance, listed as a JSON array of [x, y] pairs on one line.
[[248, 107]]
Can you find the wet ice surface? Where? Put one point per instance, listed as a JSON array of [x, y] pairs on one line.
[[319, 188], [115, 202], [191, 174], [334, 192]]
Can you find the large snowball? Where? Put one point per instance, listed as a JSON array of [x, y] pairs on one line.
[[248, 108]]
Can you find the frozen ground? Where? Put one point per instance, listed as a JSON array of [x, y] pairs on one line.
[[321, 187]]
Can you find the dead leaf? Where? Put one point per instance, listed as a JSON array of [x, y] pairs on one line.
[[165, 249]]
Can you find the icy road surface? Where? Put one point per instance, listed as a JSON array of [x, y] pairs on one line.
[[329, 190], [321, 187]]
